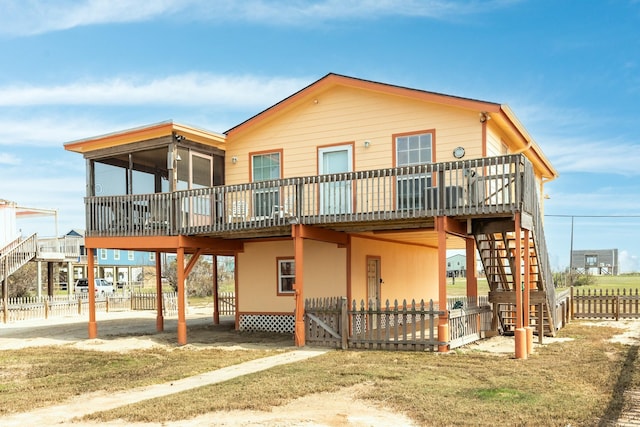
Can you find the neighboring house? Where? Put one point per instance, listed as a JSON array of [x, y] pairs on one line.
[[457, 266], [595, 261], [17, 250], [346, 188], [122, 267]]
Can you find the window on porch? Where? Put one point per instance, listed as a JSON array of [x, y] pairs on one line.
[[265, 167], [413, 190]]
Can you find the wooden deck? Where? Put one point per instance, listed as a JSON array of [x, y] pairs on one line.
[[407, 197]]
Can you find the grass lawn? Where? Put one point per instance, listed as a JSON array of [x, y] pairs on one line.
[[575, 382], [42, 376], [627, 281]]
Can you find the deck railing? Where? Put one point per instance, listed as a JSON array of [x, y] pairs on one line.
[[66, 246], [486, 186]]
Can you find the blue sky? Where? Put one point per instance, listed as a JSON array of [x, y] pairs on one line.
[[570, 70]]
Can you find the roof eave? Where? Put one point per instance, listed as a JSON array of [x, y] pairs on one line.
[[156, 130]]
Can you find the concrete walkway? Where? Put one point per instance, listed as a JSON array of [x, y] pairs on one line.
[[140, 327], [94, 402]]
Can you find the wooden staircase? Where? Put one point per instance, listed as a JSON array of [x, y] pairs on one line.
[[16, 254], [496, 243]]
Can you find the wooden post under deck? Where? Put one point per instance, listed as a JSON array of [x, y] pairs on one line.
[[520, 332], [527, 281], [93, 327], [216, 301], [443, 321], [472, 271], [159, 299], [527, 292], [182, 323], [298, 245]]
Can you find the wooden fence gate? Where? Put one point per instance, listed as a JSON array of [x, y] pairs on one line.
[[330, 322]]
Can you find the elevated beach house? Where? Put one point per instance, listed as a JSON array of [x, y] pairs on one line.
[[348, 188]]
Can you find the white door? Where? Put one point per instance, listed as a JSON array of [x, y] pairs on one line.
[[335, 194]]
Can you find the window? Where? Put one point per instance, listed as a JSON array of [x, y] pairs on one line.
[[116, 254], [130, 255], [414, 150], [286, 275], [103, 254], [591, 260], [265, 167]]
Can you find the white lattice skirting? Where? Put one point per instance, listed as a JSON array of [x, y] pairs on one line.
[[281, 323]]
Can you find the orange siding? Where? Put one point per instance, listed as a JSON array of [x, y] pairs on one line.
[[345, 114], [408, 271], [325, 274]]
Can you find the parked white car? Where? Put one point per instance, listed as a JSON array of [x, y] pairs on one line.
[[102, 286]]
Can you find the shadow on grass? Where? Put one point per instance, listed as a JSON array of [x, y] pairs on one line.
[[200, 331], [614, 409]]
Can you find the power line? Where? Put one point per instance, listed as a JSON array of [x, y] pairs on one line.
[[594, 216]]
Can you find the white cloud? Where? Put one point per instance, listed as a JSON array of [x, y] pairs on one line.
[[575, 140], [611, 156], [184, 89], [9, 159], [628, 262], [47, 131], [49, 125], [31, 17], [605, 201], [57, 190], [21, 17]]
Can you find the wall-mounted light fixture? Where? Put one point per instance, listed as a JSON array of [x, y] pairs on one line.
[[367, 143], [484, 117], [234, 160], [179, 138]]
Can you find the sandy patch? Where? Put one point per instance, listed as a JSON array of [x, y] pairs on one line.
[[630, 334], [340, 408]]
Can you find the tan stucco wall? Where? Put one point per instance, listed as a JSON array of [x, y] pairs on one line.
[[324, 267], [409, 271]]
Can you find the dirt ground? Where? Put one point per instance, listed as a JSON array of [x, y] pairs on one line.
[[127, 331]]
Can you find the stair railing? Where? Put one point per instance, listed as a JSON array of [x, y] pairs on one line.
[[531, 205], [16, 255]]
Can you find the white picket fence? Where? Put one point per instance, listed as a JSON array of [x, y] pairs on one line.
[[45, 307]]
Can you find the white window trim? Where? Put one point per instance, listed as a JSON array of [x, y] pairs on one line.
[[285, 276]]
